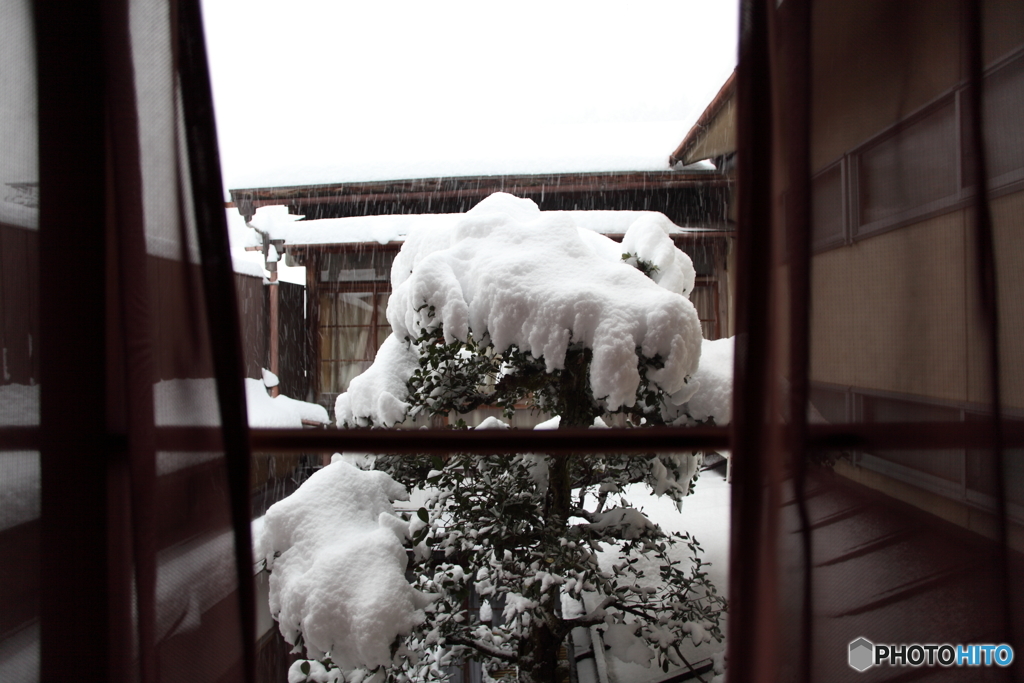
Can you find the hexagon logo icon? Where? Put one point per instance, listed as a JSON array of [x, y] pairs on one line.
[[862, 654]]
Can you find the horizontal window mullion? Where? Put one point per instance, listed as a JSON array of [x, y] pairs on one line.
[[487, 441], [20, 438], [859, 436], [868, 436]]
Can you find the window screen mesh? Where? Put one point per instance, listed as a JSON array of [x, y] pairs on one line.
[[117, 538], [893, 514], [19, 338]]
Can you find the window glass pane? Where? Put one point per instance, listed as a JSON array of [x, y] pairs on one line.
[[914, 166], [827, 208], [19, 496], [703, 298], [336, 375], [1002, 111], [357, 266], [355, 308], [350, 343]]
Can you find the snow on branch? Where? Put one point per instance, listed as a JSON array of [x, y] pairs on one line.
[[485, 648], [334, 550], [514, 276]]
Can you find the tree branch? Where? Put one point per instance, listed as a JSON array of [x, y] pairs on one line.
[[633, 610], [485, 648], [585, 514]]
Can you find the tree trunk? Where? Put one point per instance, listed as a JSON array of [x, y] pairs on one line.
[[574, 390], [538, 655]]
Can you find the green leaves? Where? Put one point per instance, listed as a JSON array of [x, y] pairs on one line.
[[490, 540], [645, 267]]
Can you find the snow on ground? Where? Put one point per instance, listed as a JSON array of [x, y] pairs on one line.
[[337, 541], [705, 515], [19, 488], [279, 411], [19, 470], [14, 213], [538, 281], [193, 403], [19, 405]]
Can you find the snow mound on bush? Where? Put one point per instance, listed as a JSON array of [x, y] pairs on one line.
[[381, 391], [648, 239], [540, 282], [337, 566], [714, 397]]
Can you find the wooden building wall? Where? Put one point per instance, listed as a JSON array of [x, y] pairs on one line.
[[896, 331], [892, 304]]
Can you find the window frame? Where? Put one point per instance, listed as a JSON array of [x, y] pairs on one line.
[[310, 256]]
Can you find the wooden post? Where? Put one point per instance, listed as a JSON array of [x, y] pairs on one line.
[[275, 332]]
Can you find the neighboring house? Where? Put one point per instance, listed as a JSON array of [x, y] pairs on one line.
[[894, 331], [713, 137], [348, 253]]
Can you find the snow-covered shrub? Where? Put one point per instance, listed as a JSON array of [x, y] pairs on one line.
[[506, 530], [508, 307]]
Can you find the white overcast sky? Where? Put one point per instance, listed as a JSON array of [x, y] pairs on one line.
[[313, 91]]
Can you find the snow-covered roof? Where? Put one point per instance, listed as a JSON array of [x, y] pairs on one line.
[[312, 158], [282, 225]]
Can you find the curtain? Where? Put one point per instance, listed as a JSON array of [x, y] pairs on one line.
[[124, 466], [877, 461]]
